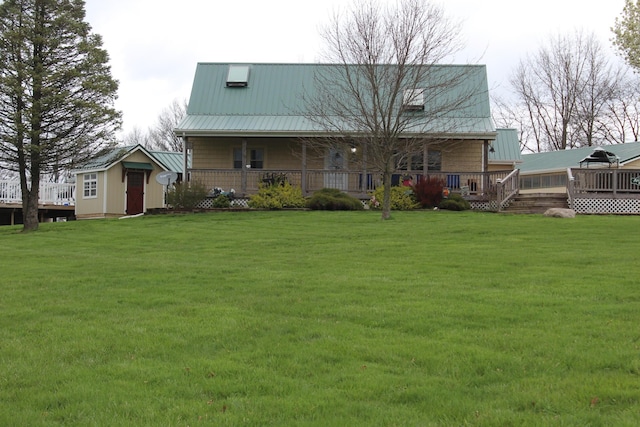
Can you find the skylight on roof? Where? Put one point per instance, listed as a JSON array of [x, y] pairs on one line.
[[238, 76], [413, 99]]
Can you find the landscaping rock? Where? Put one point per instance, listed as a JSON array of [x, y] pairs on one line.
[[560, 213]]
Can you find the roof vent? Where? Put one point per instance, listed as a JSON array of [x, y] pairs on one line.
[[238, 76], [413, 99]]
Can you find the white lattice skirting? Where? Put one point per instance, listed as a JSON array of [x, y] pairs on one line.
[[235, 203], [607, 206], [483, 206]]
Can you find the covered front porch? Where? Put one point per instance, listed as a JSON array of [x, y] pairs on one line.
[[484, 190]]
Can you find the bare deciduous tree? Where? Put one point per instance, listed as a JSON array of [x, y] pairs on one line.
[[564, 90], [385, 56], [161, 136], [622, 114], [137, 136], [508, 115]]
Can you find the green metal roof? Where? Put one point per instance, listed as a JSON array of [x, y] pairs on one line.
[[556, 161], [506, 147], [170, 160], [273, 102], [107, 159]]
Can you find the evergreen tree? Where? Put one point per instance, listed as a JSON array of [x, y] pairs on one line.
[[56, 93]]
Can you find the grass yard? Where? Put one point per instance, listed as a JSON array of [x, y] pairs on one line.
[[322, 319]]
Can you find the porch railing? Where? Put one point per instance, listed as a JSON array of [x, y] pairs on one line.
[[50, 193], [475, 184]]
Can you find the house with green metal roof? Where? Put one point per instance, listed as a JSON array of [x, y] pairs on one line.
[[246, 122], [123, 181]]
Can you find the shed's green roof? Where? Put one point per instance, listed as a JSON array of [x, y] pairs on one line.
[[107, 159], [506, 147], [556, 161], [170, 160], [273, 103]]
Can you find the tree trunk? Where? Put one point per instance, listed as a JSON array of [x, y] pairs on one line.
[[386, 197], [30, 198], [30, 210]]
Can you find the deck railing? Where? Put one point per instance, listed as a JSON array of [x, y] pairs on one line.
[[475, 184], [50, 193], [614, 181], [507, 188], [571, 191]]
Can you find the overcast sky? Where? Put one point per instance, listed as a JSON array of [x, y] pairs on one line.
[[154, 45]]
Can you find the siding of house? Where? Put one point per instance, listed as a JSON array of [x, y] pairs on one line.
[[464, 156], [632, 165]]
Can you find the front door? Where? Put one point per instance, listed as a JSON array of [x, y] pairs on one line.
[[135, 193], [334, 177]]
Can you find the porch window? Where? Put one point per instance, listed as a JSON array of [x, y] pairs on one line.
[[256, 158], [90, 185], [434, 160], [414, 164], [237, 158]]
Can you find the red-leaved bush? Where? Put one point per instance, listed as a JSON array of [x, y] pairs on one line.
[[428, 191]]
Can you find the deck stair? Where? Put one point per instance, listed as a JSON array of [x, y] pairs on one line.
[[536, 203]]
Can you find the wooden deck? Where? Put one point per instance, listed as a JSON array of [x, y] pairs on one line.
[[57, 201]]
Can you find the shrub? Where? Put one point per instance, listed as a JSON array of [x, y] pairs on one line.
[[428, 191], [221, 202], [455, 202], [331, 199], [401, 198], [277, 196], [186, 195]]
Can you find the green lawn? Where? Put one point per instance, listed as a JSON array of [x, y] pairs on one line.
[[322, 319]]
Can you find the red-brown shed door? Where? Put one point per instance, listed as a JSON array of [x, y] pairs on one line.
[[135, 193]]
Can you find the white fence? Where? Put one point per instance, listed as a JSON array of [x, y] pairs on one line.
[[50, 193]]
